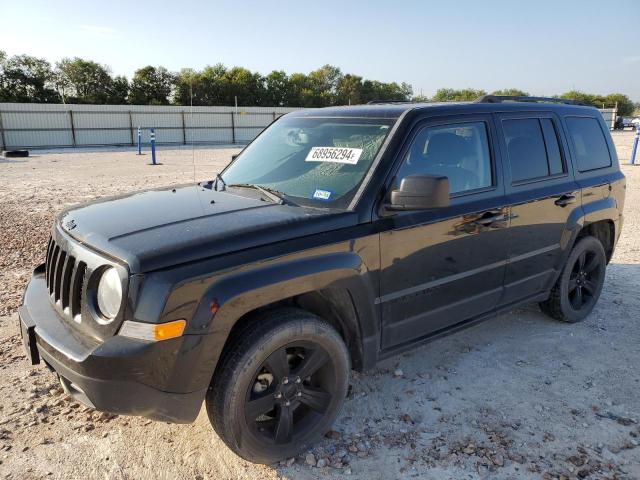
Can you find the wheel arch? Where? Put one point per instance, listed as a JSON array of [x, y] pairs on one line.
[[337, 288]]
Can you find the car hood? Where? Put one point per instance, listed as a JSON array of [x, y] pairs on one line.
[[160, 228]]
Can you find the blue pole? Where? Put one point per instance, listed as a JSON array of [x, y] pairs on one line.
[[634, 150], [139, 141], [153, 146]]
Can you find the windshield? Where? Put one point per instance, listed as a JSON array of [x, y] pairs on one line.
[[311, 161]]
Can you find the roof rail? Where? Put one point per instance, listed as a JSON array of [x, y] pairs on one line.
[[377, 102], [521, 98]]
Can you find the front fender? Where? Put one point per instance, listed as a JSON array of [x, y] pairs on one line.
[[239, 293], [236, 293]]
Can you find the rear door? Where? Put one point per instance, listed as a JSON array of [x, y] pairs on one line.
[[543, 193]]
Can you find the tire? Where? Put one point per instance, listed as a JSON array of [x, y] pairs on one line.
[[15, 153], [280, 386], [580, 284]]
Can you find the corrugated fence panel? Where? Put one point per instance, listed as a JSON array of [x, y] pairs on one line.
[[38, 138], [103, 137], [36, 120], [31, 125]]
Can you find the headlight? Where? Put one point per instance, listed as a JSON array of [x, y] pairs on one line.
[[109, 293]]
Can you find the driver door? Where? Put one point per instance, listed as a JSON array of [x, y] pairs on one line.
[[444, 266]]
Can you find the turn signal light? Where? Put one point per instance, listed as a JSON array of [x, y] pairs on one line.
[[153, 332]]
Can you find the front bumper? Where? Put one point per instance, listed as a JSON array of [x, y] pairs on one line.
[[158, 380]]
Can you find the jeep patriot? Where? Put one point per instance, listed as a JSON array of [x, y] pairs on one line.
[[337, 238]]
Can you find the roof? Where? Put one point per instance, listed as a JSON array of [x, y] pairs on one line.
[[393, 110]]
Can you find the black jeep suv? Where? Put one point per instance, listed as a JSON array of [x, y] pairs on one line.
[[338, 237]]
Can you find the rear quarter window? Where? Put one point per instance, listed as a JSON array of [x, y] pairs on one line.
[[589, 143]]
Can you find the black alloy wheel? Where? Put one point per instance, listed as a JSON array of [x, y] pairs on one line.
[[279, 386], [291, 390], [579, 286], [584, 279]]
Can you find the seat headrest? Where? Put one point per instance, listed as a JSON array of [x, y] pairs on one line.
[[446, 149]]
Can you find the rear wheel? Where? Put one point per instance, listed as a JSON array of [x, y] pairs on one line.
[[280, 386], [579, 286]]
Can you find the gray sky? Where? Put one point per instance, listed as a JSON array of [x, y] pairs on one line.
[[543, 46]]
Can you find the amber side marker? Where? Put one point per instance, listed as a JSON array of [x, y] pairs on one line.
[[165, 331]]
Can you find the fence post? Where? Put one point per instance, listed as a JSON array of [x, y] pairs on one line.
[[634, 150], [4, 140], [131, 127], [184, 130], [139, 141], [73, 128], [152, 136], [233, 128]]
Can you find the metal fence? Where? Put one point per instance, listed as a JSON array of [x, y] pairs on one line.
[[31, 125], [37, 125]]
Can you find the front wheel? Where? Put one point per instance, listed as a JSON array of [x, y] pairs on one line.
[[280, 386], [579, 286]]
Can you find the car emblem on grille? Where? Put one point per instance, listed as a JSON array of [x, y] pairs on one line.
[[71, 224]]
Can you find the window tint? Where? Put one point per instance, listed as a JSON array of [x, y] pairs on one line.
[[589, 143], [553, 149], [525, 145], [459, 152]]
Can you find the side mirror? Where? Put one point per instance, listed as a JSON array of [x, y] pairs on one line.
[[234, 156], [420, 192]]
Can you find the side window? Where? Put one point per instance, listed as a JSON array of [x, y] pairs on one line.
[[533, 149], [589, 143], [459, 152]]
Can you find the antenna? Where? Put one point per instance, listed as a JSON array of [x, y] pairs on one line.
[[193, 147]]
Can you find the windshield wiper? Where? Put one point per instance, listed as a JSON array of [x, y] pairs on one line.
[[273, 195]]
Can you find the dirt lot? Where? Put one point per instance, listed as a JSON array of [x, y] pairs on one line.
[[520, 396]]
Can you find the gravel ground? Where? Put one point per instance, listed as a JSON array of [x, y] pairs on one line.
[[519, 396]]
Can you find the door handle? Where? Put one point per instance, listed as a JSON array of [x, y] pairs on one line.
[[565, 200], [489, 218]]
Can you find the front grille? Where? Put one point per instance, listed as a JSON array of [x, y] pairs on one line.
[[65, 278]]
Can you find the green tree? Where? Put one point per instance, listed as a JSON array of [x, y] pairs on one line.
[[210, 87], [26, 79], [349, 90], [151, 86], [322, 83], [453, 95], [586, 98], [511, 92], [278, 89], [85, 81], [119, 90], [373, 90], [625, 106], [247, 86]]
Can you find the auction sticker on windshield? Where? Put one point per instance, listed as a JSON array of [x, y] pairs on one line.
[[334, 154]]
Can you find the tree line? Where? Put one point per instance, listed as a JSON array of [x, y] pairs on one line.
[[24, 79]]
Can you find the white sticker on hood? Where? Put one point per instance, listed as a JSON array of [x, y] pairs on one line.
[[334, 154]]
